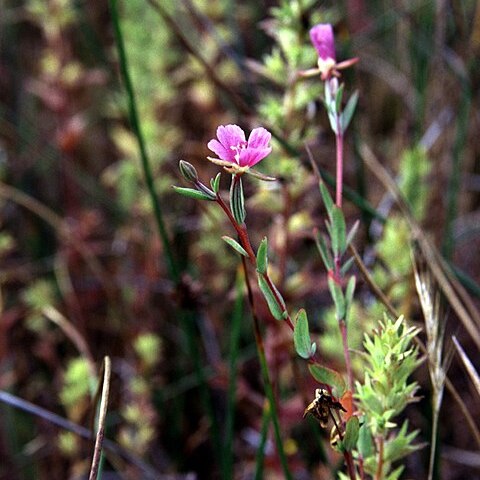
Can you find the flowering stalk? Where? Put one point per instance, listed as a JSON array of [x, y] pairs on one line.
[[328, 68], [237, 156]]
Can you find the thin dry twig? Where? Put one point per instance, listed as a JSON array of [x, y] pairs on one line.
[[16, 402], [437, 268], [468, 365], [99, 439], [465, 310]]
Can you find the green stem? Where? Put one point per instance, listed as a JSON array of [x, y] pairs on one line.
[[172, 266], [263, 440], [233, 356], [266, 378]]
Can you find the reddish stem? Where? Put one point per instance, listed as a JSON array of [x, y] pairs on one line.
[[245, 242]]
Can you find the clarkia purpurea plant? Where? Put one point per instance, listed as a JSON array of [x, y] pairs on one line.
[[361, 433]]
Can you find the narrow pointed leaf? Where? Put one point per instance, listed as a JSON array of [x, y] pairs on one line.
[[329, 376], [349, 295], [326, 197], [235, 245], [324, 253], [347, 114], [351, 234], [339, 231], [190, 192], [262, 256], [301, 336], [275, 309], [339, 97], [338, 298], [346, 266]]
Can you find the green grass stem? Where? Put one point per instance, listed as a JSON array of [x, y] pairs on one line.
[[260, 456], [233, 355], [172, 266]]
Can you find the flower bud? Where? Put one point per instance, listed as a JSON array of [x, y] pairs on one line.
[[322, 38], [188, 171]]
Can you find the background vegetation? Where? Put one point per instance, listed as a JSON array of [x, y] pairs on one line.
[[90, 267]]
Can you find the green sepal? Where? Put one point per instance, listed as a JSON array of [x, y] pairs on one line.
[[190, 192], [324, 253], [351, 434], [262, 256], [348, 112], [328, 376], [301, 336], [276, 310], [338, 298], [237, 200], [326, 197], [215, 182], [339, 231], [235, 245]]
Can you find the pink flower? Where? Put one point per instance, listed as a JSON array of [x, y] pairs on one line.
[[322, 38], [232, 148]]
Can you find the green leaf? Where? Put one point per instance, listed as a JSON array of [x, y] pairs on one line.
[[324, 253], [347, 114], [339, 231], [365, 442], [190, 192], [349, 292], [276, 310], [346, 266], [329, 376], [326, 197], [262, 256], [339, 97], [237, 200], [351, 434], [301, 336], [338, 298], [351, 234], [235, 245], [215, 182]]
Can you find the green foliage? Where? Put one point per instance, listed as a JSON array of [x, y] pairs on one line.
[[148, 347], [415, 167], [262, 257], [235, 245], [301, 336], [329, 376], [271, 295], [76, 382], [386, 390]]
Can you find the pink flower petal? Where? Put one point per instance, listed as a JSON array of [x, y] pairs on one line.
[[230, 135], [259, 137], [221, 152], [322, 38], [251, 156]]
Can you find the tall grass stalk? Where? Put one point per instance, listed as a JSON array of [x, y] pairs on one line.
[[187, 318], [237, 318], [435, 330]]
